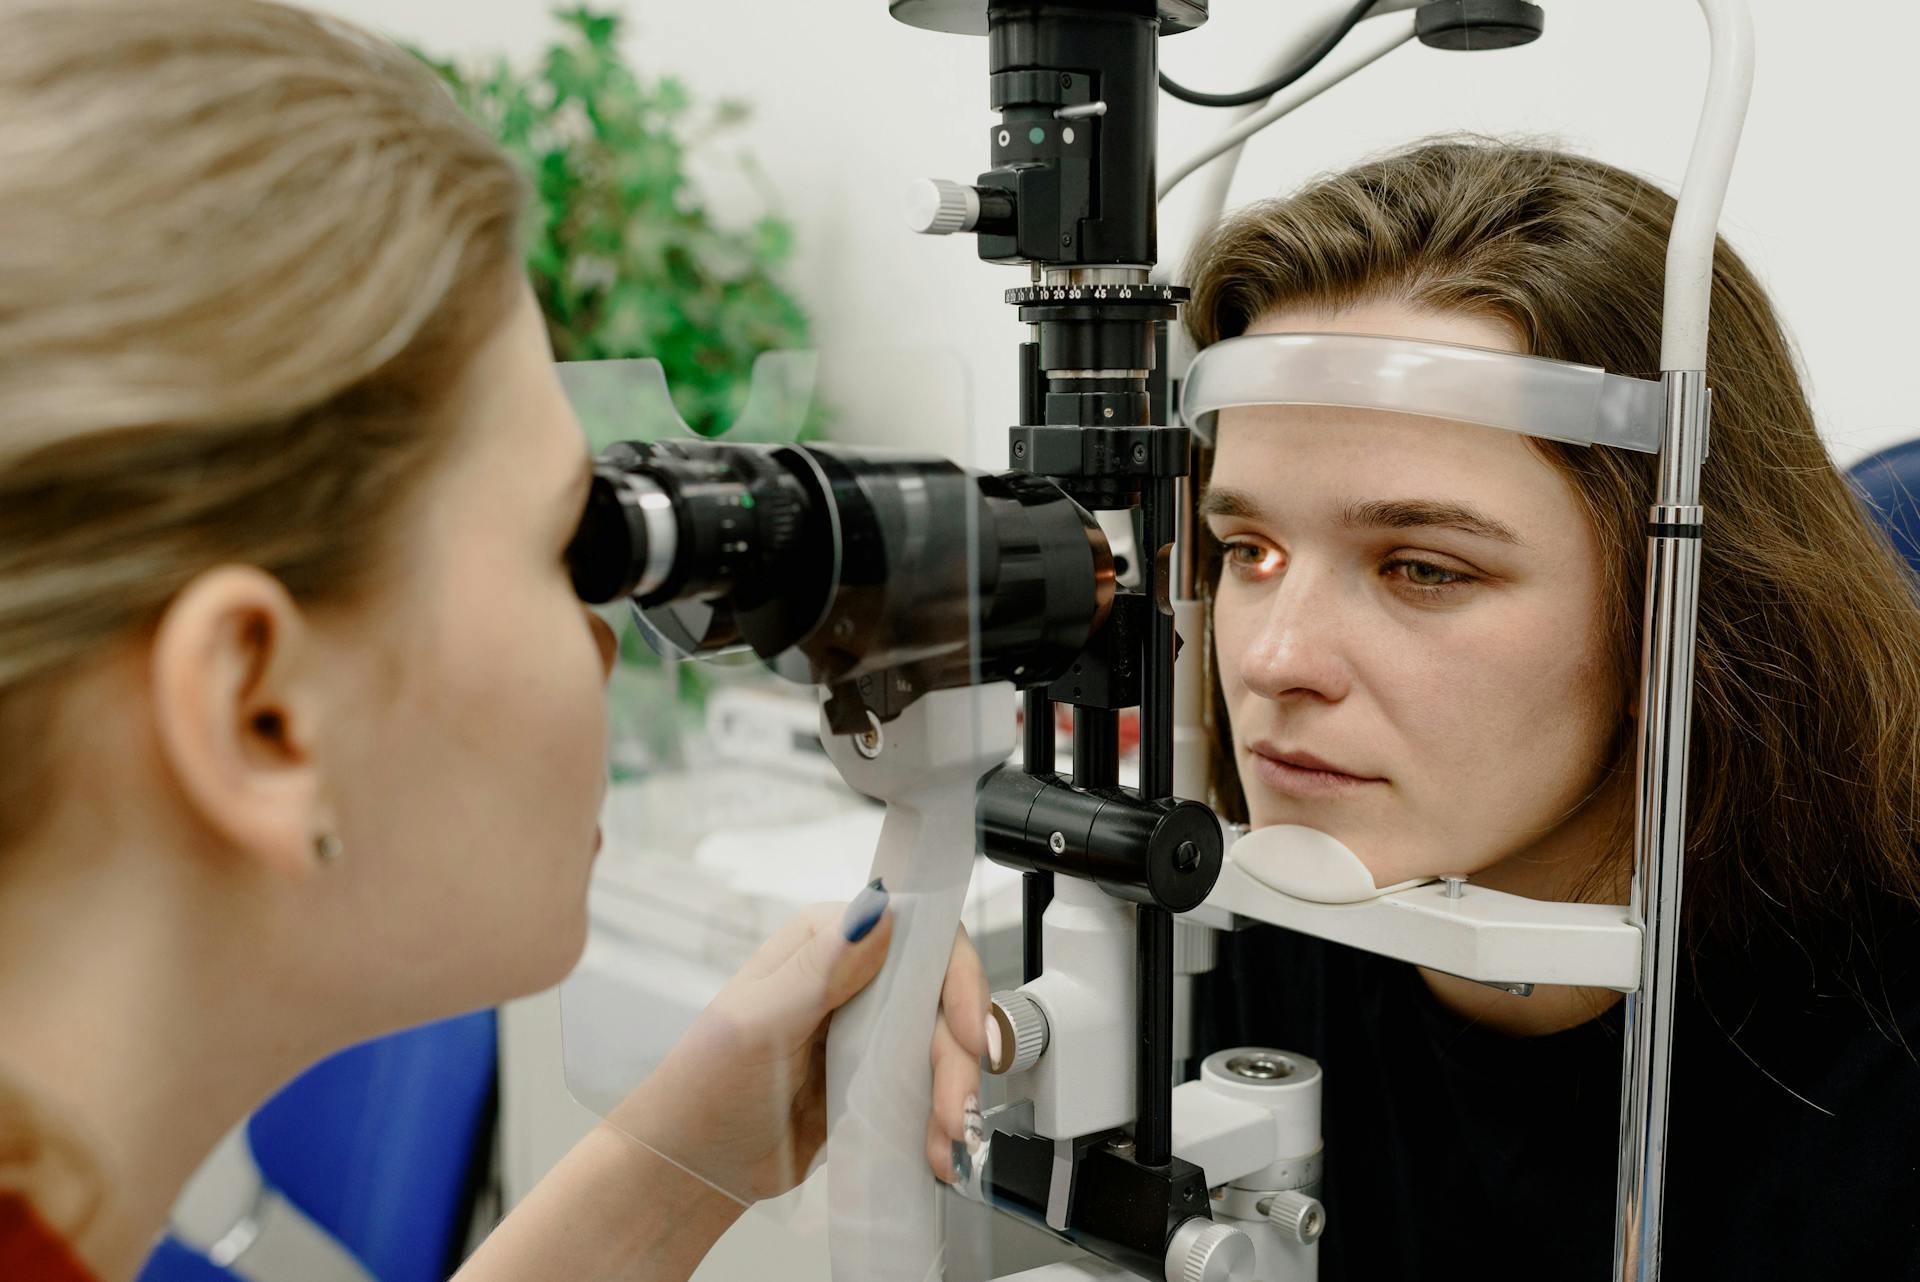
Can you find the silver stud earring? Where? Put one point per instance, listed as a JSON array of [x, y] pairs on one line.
[[327, 847]]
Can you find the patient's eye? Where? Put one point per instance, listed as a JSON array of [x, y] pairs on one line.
[[1425, 579], [1252, 560]]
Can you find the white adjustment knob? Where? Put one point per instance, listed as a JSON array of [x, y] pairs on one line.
[[1023, 1032], [937, 207], [1301, 1218], [1202, 1251]]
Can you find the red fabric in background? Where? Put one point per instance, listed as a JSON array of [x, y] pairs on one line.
[[29, 1251]]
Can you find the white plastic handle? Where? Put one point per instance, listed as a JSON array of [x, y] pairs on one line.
[[883, 1203]]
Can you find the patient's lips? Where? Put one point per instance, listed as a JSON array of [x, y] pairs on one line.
[[1293, 772]]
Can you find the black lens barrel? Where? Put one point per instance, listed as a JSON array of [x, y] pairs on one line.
[[861, 562]]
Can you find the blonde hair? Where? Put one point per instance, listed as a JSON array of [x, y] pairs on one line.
[[245, 251], [1804, 797]]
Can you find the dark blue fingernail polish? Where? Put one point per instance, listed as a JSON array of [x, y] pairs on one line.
[[863, 914], [962, 1164]]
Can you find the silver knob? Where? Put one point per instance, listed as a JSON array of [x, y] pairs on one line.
[[1023, 1032], [1299, 1217], [937, 207], [1202, 1251], [1080, 111]]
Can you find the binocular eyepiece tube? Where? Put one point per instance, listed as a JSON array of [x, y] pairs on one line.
[[835, 565]]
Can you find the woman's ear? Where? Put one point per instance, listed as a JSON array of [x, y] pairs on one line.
[[236, 706]]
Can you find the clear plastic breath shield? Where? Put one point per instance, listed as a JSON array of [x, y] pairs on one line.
[[819, 646]]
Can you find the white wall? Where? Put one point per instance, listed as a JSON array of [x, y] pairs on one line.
[[852, 105]]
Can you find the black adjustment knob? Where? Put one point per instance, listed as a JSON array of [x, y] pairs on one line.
[[1470, 25]]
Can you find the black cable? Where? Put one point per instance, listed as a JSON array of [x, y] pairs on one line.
[[1313, 58]]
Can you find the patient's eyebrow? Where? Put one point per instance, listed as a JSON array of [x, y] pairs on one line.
[[1219, 501], [1413, 514], [1374, 514]]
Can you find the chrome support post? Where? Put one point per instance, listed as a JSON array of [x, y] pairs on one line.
[[1660, 835]]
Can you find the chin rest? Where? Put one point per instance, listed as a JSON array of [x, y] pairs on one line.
[[1308, 864]]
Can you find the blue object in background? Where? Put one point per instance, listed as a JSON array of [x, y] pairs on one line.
[[172, 1262], [379, 1145], [1889, 481]]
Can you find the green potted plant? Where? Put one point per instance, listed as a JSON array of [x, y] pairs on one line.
[[624, 255], [627, 261]]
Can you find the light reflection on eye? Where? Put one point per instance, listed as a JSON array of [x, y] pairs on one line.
[[1253, 561]]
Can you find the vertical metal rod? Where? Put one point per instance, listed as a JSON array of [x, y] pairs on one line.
[[1185, 574], [1156, 695], [1660, 835], [1036, 888], [1153, 1076], [1096, 747], [1036, 736], [1192, 764], [1037, 740], [1186, 538], [1153, 970]]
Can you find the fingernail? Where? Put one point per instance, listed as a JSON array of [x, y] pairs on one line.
[[962, 1164], [863, 914], [976, 1126], [993, 1040]]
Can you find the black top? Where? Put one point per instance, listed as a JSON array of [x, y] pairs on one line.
[[1456, 1151]]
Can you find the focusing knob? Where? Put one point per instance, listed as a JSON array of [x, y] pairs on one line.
[[1301, 1218], [1023, 1032], [1202, 1251], [937, 207]]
